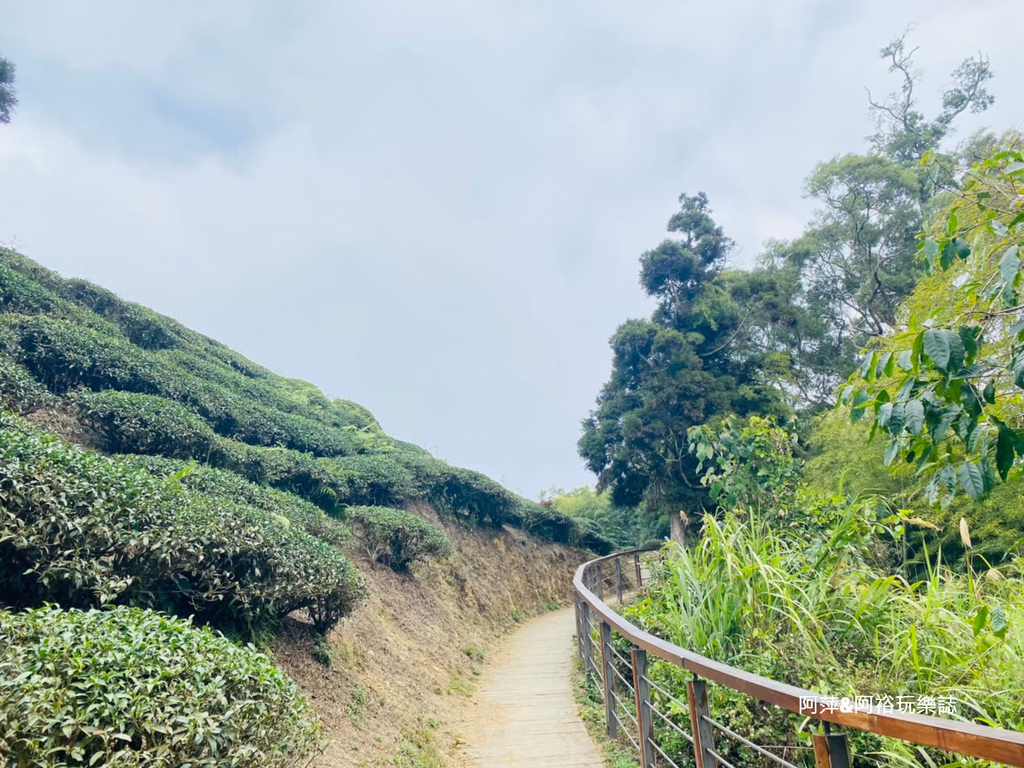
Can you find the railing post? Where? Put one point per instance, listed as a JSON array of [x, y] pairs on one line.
[[579, 630], [639, 577], [600, 583], [610, 718], [643, 707], [618, 579], [831, 750], [588, 643], [703, 735]]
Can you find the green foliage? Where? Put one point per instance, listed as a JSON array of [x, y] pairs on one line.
[[611, 527], [817, 607], [8, 99], [159, 388], [133, 423], [231, 487], [746, 466], [691, 362], [19, 391], [128, 687], [82, 529], [396, 537], [946, 389]]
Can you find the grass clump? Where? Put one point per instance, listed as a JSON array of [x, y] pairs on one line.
[[129, 687], [396, 537], [831, 610]]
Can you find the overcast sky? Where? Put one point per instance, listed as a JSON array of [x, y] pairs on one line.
[[436, 208]]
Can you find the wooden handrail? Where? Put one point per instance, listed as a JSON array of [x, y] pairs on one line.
[[996, 744]]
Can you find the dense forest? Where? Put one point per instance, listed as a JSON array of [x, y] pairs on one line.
[[836, 433]]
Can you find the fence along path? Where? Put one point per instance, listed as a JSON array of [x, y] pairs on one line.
[[640, 711], [523, 714]]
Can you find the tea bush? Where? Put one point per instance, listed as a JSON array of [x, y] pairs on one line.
[[128, 687], [396, 537], [19, 391], [229, 486], [135, 423], [82, 529], [168, 380]]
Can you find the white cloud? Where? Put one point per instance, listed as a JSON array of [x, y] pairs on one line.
[[440, 210]]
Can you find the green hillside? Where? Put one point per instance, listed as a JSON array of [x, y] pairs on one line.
[[147, 467]]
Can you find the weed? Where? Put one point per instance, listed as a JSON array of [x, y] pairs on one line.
[[322, 653], [356, 705]]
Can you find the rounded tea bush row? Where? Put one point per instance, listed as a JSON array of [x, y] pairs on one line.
[[81, 529], [130, 688], [396, 537]]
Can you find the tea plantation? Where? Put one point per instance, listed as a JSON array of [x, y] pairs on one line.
[[213, 498]]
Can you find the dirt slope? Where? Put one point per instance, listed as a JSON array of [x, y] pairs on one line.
[[404, 663]]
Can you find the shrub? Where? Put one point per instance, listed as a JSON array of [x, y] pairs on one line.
[[229, 486], [129, 687], [133, 423], [83, 529], [396, 537], [19, 391], [63, 355]]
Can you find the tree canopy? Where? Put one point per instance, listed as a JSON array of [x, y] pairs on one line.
[[8, 99], [692, 361]]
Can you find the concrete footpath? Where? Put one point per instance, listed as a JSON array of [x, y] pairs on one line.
[[523, 714]]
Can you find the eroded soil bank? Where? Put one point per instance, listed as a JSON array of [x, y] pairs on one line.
[[404, 664]]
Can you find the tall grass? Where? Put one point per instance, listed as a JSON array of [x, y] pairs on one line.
[[828, 608]]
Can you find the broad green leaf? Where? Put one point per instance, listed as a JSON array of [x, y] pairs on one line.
[[1006, 444], [972, 480], [1000, 622], [980, 620], [897, 418], [1009, 265], [944, 348], [915, 417], [884, 412]]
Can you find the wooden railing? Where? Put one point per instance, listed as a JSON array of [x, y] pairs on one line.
[[619, 674]]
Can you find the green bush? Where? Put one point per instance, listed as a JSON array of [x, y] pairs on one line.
[[396, 537], [63, 355], [19, 391], [229, 486], [129, 687], [133, 423], [81, 529]]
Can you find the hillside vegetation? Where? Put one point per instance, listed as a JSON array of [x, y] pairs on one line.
[[147, 467]]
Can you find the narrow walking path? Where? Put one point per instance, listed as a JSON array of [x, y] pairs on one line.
[[523, 714]]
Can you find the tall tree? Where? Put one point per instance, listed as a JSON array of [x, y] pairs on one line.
[[694, 360], [8, 99], [905, 134], [856, 261]]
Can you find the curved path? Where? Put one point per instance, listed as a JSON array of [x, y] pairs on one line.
[[523, 714]]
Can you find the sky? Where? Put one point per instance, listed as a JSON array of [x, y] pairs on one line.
[[437, 209]]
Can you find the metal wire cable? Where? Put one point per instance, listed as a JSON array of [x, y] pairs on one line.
[[666, 694], [671, 724], [748, 742], [625, 682], [621, 658], [661, 752], [719, 758]]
